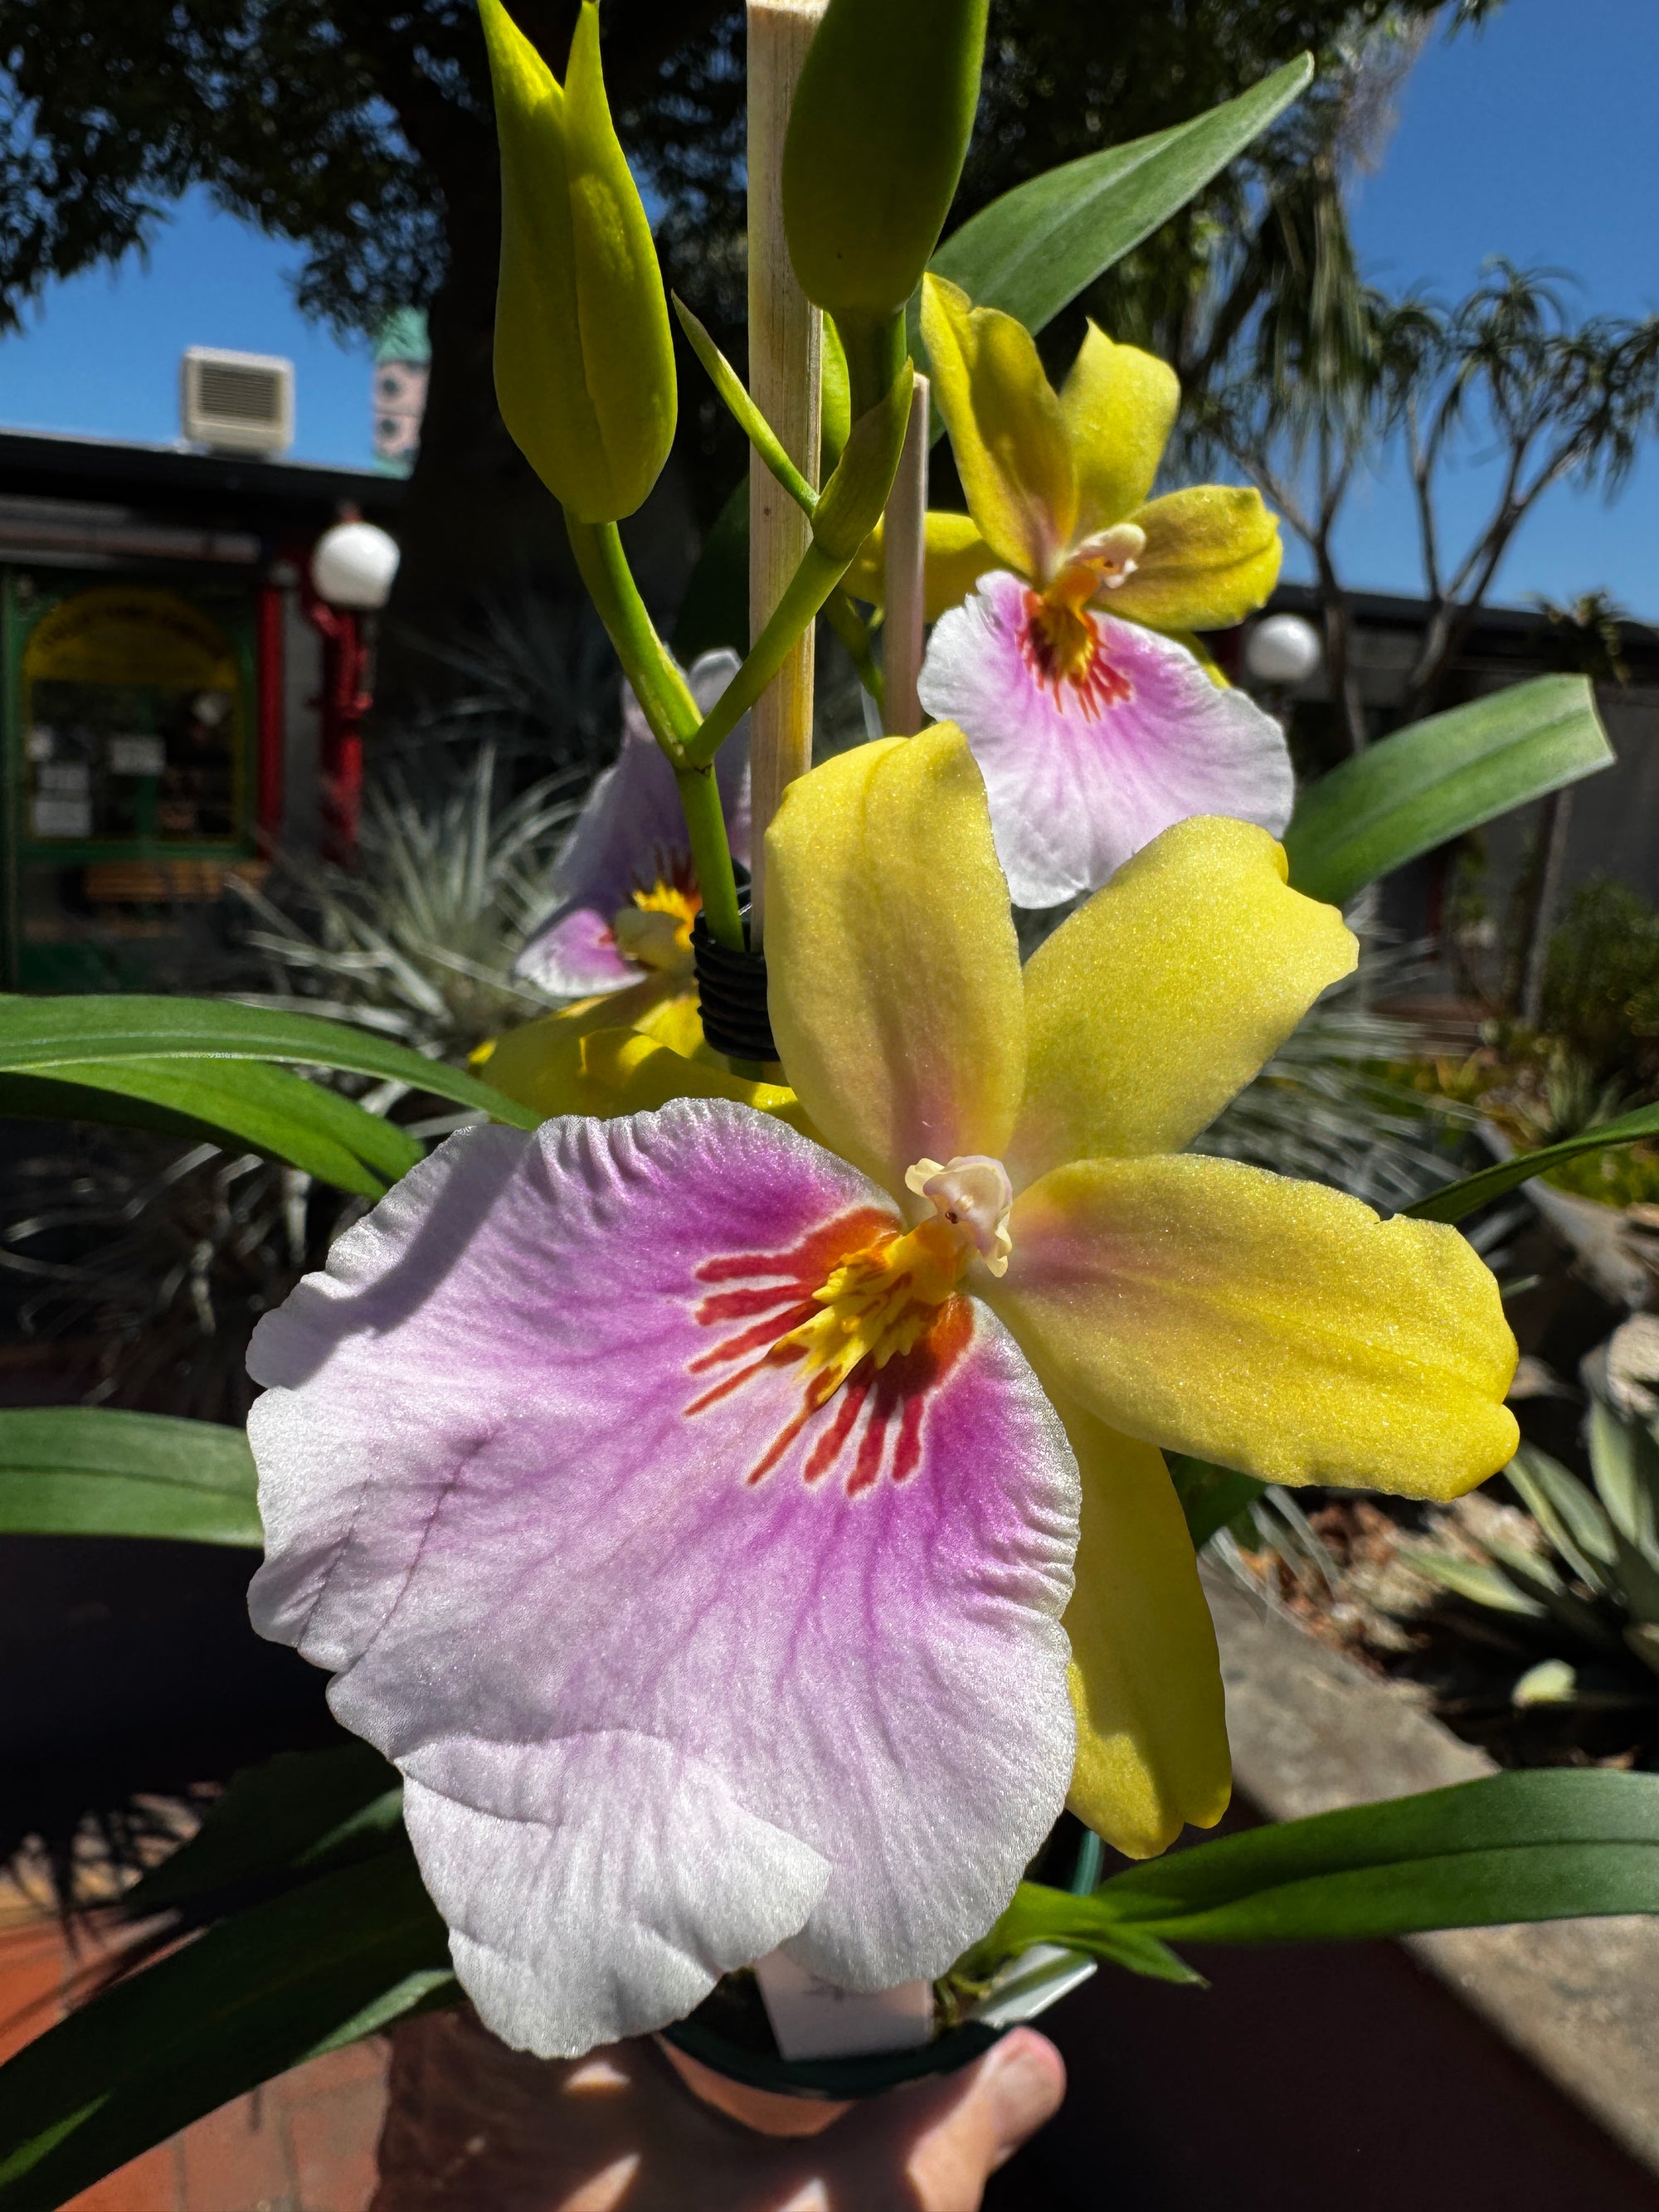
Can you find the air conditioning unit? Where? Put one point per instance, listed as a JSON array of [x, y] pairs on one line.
[[238, 403]]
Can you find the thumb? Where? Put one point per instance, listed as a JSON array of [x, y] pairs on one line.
[[1002, 2103]]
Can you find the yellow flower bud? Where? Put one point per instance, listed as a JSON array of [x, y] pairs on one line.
[[584, 361]]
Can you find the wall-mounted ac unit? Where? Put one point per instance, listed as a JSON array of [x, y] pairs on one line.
[[238, 402]]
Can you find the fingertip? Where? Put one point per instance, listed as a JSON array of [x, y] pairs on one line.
[[1025, 2080]]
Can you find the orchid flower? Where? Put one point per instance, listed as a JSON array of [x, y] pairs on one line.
[[627, 896], [691, 1507], [1093, 730]]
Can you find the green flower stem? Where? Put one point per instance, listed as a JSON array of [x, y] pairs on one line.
[[665, 696], [1085, 1876], [875, 353], [855, 633], [808, 588], [669, 710], [711, 855]]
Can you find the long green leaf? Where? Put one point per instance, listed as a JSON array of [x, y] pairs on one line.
[[1034, 250], [247, 1103], [1566, 1511], [1039, 1915], [54, 1098], [287, 1819], [1476, 1581], [322, 1964], [1029, 253], [1454, 1200], [38, 1036], [90, 1471], [1545, 1845], [1431, 781]]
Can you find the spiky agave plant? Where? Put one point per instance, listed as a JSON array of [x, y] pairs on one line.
[[1586, 1600], [419, 939]]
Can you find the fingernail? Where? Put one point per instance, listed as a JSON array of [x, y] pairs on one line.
[[1027, 2086]]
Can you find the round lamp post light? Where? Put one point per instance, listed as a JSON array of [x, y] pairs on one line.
[[347, 582], [1282, 651], [353, 565]]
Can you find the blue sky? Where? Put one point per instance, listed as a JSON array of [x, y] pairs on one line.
[[1533, 139]]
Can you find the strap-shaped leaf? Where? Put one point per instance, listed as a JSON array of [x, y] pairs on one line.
[[1431, 781], [1569, 1513], [40, 1035], [322, 1964], [1544, 1844], [91, 1471], [243, 1103], [1477, 1581], [1034, 250], [1456, 1200], [283, 1821]]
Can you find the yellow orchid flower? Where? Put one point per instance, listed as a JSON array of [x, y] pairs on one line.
[[1064, 607], [1164, 1300], [1058, 483]]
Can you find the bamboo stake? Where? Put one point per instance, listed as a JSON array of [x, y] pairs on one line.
[[784, 342], [904, 540]]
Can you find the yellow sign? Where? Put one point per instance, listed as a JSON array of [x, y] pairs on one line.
[[132, 634]]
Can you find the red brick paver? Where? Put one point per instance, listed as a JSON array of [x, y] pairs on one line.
[[303, 2144]]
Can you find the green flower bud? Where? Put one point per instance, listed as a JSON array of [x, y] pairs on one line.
[[878, 134], [584, 361]]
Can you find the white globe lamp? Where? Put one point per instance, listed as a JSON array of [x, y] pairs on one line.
[[1283, 650], [353, 564]]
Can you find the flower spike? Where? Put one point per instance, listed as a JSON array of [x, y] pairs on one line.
[[584, 357]]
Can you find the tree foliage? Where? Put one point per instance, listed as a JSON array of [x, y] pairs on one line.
[[1506, 373], [360, 130]]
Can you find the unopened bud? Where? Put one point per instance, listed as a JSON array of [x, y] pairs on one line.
[[584, 361], [878, 134]]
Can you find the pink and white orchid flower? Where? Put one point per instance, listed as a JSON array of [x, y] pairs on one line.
[[626, 893], [689, 1507], [1093, 732]]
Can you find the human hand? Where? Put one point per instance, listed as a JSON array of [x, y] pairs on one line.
[[473, 2127]]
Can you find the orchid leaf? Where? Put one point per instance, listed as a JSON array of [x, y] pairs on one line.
[[323, 1965], [1456, 1199], [1429, 783], [1039, 1915], [1034, 250], [92, 1471], [49, 1035], [1544, 1844], [283, 1821], [242, 1104]]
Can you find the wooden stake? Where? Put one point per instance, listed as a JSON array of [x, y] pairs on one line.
[[785, 352], [904, 540]]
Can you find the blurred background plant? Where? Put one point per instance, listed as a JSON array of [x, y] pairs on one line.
[[1528, 1612], [419, 937]]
